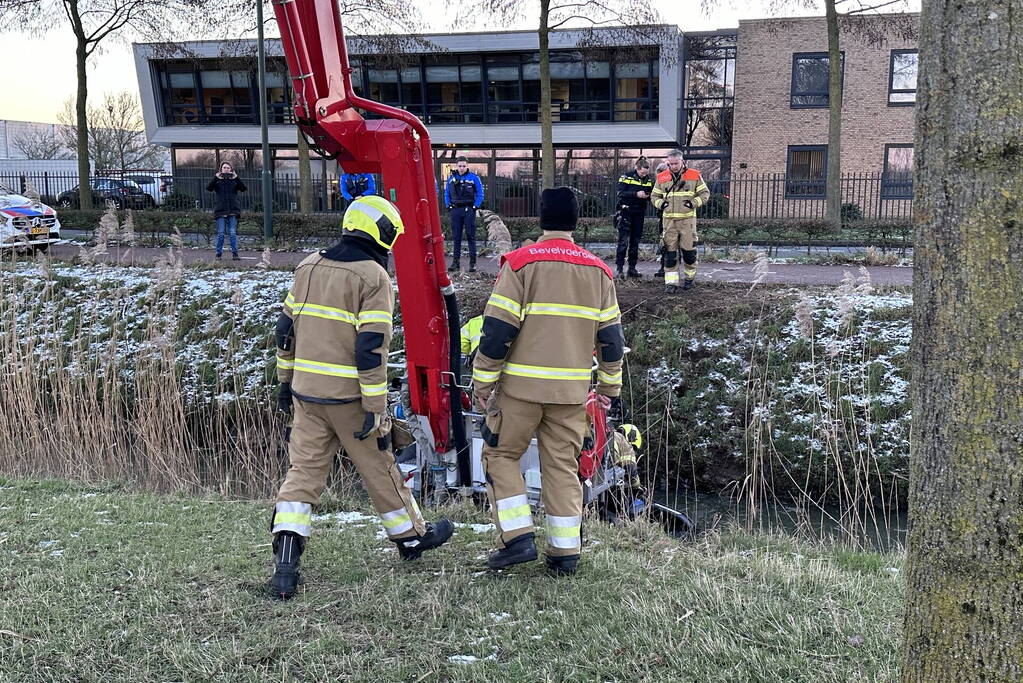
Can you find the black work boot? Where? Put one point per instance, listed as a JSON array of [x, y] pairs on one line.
[[633, 272], [620, 273], [688, 284], [472, 265], [517, 551], [562, 565], [660, 272], [288, 547], [456, 265], [671, 289], [436, 535]]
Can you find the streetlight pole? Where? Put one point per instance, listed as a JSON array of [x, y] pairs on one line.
[[267, 174]]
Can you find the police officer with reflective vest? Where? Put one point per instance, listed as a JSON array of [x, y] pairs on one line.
[[463, 195], [679, 191], [634, 190], [354, 185], [332, 344], [554, 303]]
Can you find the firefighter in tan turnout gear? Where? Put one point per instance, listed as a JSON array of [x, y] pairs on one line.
[[332, 344], [678, 192], [554, 303]]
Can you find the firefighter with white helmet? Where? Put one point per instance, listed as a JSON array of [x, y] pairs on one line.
[[332, 342]]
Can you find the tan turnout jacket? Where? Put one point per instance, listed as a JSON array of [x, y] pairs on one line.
[[341, 320], [670, 191], [554, 303]]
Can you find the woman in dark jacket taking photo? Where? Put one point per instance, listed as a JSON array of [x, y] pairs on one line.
[[226, 185]]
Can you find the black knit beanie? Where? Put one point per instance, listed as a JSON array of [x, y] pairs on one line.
[[559, 209]]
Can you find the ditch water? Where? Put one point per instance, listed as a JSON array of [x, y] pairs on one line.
[[881, 529]]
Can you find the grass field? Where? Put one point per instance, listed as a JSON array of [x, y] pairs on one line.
[[102, 583]]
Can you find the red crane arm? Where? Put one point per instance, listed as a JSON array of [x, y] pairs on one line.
[[397, 147]]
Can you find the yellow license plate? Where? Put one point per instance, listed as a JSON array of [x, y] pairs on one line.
[[41, 230]]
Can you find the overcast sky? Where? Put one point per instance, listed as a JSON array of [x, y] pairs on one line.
[[39, 71]]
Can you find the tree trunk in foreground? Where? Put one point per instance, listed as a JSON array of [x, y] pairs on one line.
[[964, 593], [834, 171], [82, 120], [305, 175], [547, 165]]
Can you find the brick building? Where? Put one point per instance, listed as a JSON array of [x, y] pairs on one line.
[[781, 115]]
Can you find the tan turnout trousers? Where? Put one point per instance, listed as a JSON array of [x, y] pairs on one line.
[[315, 436], [679, 234], [559, 430]]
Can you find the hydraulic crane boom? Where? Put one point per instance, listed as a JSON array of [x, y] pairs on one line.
[[396, 146]]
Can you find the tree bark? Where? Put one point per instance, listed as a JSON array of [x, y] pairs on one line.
[[964, 574], [834, 170], [547, 165], [82, 121], [305, 180]]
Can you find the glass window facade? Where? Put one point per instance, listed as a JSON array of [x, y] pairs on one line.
[[439, 88], [193, 93], [902, 81]]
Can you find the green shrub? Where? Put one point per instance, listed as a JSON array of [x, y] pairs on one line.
[[178, 201], [851, 212], [716, 207]]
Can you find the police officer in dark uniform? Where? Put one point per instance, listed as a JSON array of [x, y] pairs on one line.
[[634, 190], [355, 185], [463, 195]]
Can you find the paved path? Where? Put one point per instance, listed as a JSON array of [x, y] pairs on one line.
[[796, 274]]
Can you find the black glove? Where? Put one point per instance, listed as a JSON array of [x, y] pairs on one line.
[[688, 204], [284, 397], [374, 424], [615, 411]]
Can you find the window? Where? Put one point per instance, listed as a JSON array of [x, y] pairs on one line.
[[180, 101], [810, 71], [635, 88], [710, 90], [227, 96], [278, 95], [807, 172], [504, 89], [902, 78], [897, 179], [454, 91]]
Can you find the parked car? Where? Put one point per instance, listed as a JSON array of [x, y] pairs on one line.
[[156, 186], [27, 224], [124, 194]]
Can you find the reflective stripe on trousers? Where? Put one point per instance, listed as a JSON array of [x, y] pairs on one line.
[[396, 522], [513, 513], [564, 532], [671, 277], [296, 517]]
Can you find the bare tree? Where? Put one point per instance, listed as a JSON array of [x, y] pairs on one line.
[[603, 25], [97, 22], [40, 143], [117, 137], [964, 596], [870, 21]]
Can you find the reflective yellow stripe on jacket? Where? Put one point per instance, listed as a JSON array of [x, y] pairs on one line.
[[330, 369], [572, 311], [339, 314], [541, 372], [506, 304]]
